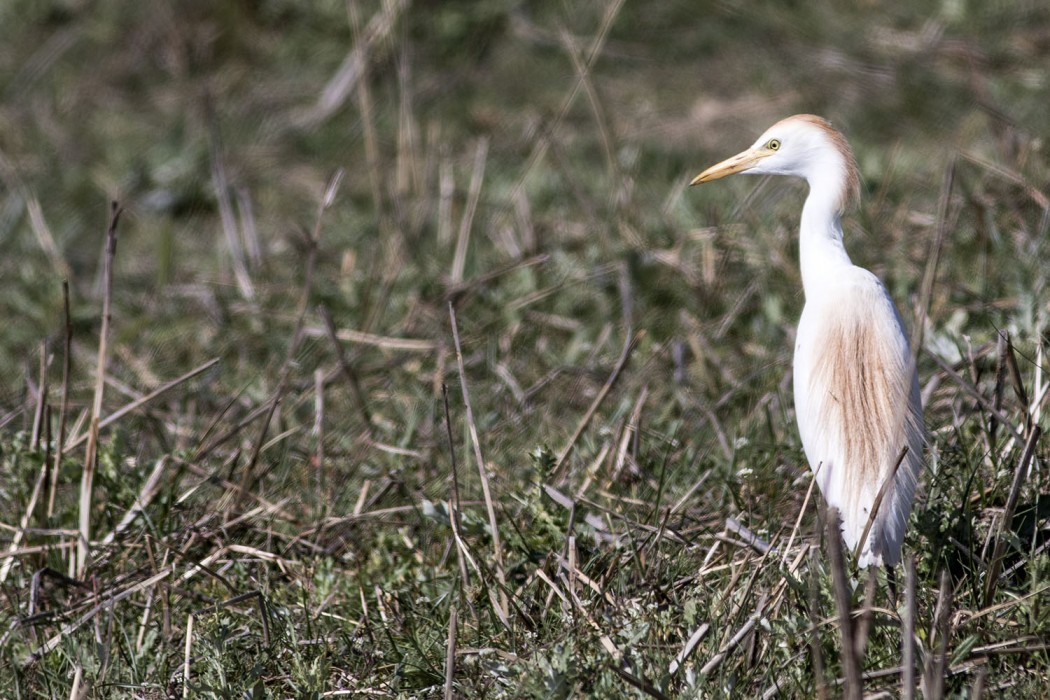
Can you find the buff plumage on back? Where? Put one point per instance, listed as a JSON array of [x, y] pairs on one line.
[[862, 411], [856, 391]]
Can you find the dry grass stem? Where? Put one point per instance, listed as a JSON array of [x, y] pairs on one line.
[[735, 640], [314, 244], [186, 657], [459, 259], [124, 410], [1006, 520], [937, 664], [450, 653], [91, 454], [890, 479], [908, 630], [563, 454], [343, 82], [497, 549], [347, 368], [63, 411], [851, 667]]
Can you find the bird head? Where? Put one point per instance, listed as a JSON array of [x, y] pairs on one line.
[[804, 146]]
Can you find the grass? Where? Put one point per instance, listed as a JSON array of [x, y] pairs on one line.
[[585, 482]]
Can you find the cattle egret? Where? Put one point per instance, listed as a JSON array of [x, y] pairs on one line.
[[856, 391]]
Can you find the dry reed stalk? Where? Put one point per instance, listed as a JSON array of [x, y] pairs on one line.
[[378, 341], [364, 106], [798, 520], [91, 455], [687, 650], [46, 238], [150, 488], [256, 596], [221, 185], [544, 140], [249, 231], [997, 389], [854, 687], [735, 640], [1015, 371], [497, 549], [318, 431], [454, 502], [9, 561], [103, 604], [980, 398], [346, 77]]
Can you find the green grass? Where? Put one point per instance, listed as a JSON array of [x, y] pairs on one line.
[[330, 565]]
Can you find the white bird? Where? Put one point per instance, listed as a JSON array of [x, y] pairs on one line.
[[857, 399]]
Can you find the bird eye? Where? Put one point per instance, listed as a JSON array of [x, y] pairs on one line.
[[773, 145]]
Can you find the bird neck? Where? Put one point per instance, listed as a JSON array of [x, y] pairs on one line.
[[822, 255]]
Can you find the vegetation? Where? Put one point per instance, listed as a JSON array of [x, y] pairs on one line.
[[489, 197]]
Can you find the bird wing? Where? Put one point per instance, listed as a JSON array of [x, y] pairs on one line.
[[857, 405]]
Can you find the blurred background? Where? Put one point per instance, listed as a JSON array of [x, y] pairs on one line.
[[185, 111], [527, 161]]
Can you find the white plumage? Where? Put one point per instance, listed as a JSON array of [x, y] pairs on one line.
[[857, 397]]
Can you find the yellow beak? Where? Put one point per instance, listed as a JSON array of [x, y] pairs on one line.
[[737, 164]]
